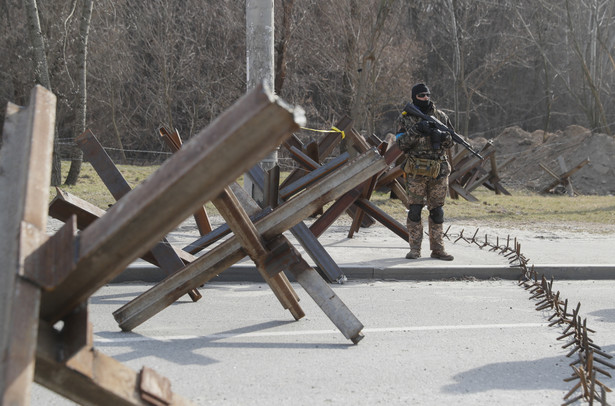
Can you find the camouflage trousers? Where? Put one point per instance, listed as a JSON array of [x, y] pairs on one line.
[[423, 191]]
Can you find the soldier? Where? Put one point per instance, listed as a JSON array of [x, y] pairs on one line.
[[427, 169]]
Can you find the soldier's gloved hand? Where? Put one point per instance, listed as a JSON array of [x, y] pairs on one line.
[[425, 127], [445, 136]]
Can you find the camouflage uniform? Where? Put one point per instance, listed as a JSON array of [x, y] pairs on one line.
[[425, 190]]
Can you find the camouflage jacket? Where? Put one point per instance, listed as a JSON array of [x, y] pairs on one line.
[[414, 143], [417, 145]]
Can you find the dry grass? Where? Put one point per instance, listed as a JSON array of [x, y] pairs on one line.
[[523, 208]]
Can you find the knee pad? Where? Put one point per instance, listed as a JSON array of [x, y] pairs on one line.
[[437, 215], [414, 212]]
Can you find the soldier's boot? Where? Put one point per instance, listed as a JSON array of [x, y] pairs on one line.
[[415, 236], [436, 242]]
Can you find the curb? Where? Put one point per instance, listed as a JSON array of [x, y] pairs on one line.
[[248, 273]]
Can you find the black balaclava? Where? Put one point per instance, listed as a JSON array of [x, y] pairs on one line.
[[424, 105]]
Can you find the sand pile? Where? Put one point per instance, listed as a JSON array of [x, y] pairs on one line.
[[574, 144]]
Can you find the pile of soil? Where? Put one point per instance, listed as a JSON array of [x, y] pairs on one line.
[[574, 144]]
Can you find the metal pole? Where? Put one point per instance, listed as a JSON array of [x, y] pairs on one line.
[[260, 62]]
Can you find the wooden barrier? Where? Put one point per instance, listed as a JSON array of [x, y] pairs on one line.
[[269, 228], [564, 178], [44, 279], [359, 196], [239, 222], [166, 258], [468, 173]]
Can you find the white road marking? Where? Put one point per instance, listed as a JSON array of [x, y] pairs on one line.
[[169, 338]]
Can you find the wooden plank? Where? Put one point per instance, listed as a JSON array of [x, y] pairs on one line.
[[383, 218], [229, 252], [238, 220], [25, 172], [66, 204], [327, 266], [94, 379], [252, 242], [462, 192], [327, 300], [232, 143], [164, 254], [334, 211], [201, 218]]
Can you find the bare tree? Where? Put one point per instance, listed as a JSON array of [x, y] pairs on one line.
[[467, 39], [594, 11], [348, 58], [41, 71], [366, 77], [281, 46], [80, 121], [540, 64], [574, 56]]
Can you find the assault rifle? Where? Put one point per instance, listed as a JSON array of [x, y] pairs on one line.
[[414, 110]]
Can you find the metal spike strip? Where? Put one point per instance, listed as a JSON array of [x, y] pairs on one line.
[[589, 354]]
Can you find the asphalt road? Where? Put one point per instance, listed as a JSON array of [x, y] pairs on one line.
[[426, 343]]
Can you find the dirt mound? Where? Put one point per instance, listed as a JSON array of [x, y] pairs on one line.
[[574, 145]]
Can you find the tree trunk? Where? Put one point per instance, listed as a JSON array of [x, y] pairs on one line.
[[365, 85], [281, 47], [595, 111], [80, 122], [41, 70], [456, 64]]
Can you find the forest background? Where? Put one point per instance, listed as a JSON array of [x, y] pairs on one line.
[[124, 68]]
